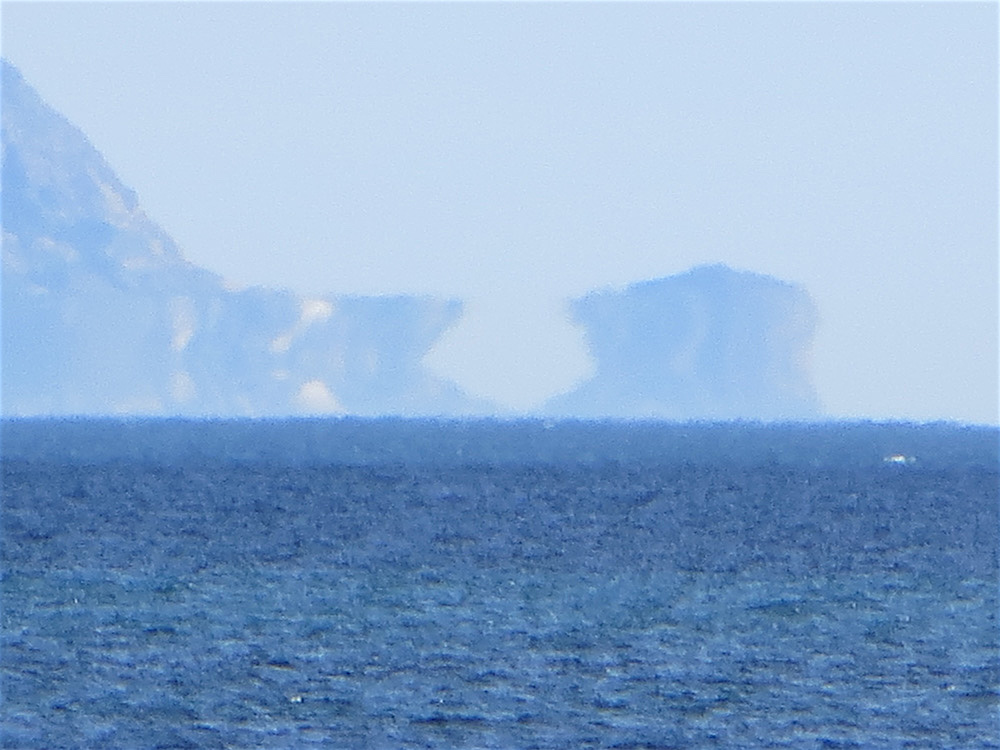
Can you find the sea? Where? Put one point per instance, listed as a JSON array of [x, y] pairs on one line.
[[392, 583]]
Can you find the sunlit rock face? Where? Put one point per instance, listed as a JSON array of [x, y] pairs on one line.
[[102, 315], [711, 343]]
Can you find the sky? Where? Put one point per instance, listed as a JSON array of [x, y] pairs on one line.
[[516, 155]]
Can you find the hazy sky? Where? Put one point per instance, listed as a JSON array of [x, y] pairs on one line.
[[517, 154]]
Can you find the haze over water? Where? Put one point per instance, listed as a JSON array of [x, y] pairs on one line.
[[500, 153]]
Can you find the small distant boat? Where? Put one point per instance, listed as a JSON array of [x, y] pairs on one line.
[[899, 459]]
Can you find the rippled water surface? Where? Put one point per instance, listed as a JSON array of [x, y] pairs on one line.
[[506, 586]]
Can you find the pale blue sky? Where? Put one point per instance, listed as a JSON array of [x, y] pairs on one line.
[[514, 155]]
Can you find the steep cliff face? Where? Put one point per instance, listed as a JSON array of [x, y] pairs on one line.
[[711, 343], [101, 313]]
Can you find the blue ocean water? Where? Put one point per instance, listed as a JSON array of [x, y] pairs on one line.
[[394, 584]]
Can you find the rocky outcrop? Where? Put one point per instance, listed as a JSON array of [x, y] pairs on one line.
[[711, 343]]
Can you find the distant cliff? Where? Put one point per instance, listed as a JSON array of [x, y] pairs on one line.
[[102, 315], [712, 343]]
